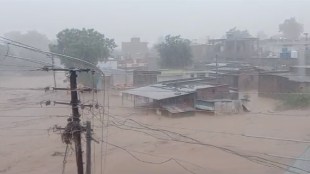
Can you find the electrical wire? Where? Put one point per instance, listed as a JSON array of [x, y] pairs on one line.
[[193, 141], [252, 158], [64, 160], [25, 46], [150, 162]]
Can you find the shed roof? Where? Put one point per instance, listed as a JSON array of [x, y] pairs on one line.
[[291, 76], [157, 92], [174, 109]]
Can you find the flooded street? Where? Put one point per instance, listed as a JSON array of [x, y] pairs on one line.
[[29, 144]]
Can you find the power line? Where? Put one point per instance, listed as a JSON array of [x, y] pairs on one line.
[[31, 116], [30, 60], [151, 162], [252, 158], [25, 46], [18, 66], [236, 134], [64, 162]]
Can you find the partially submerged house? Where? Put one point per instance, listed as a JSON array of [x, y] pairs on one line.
[[143, 78], [279, 83], [165, 100], [180, 96], [240, 76]]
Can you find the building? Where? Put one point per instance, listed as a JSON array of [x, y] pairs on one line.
[[277, 84], [163, 99], [144, 78], [283, 48], [135, 49], [234, 49], [240, 76], [168, 75], [132, 64], [179, 97], [109, 64], [273, 63], [199, 52]]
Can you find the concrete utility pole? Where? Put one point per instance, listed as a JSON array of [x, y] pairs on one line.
[[74, 129], [76, 120], [306, 49], [216, 64], [54, 73], [88, 147]]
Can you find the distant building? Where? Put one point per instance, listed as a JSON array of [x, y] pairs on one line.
[[233, 49], [277, 84], [132, 64], [273, 63], [199, 52], [144, 78], [282, 48], [237, 75], [109, 64], [167, 75], [135, 49]]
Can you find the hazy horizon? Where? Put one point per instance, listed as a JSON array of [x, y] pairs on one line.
[[151, 19]]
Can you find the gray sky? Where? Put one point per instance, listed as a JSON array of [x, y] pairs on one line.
[[151, 19]]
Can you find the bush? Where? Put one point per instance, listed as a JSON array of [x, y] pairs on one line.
[[296, 100]]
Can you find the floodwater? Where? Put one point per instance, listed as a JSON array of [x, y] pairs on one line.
[[29, 144]]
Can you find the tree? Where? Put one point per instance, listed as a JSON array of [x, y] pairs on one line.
[[174, 52], [86, 44], [32, 38], [291, 29], [234, 33]]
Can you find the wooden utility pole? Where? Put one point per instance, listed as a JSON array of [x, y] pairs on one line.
[[76, 121], [88, 147]]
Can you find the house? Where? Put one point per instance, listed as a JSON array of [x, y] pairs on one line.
[[273, 63], [277, 84], [163, 99], [178, 97], [135, 49], [168, 75], [283, 48], [242, 77], [233, 49], [144, 78]]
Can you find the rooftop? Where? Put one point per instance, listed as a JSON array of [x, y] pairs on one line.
[[161, 91], [157, 92], [291, 76]]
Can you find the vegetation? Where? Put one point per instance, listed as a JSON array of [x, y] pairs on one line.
[[296, 101], [175, 52], [291, 29], [32, 38], [86, 44], [234, 33]]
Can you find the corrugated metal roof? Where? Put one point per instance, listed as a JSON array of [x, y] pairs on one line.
[[157, 92], [174, 109], [161, 91]]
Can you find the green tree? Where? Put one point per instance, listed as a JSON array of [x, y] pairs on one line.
[[234, 33], [175, 52], [86, 44], [291, 29]]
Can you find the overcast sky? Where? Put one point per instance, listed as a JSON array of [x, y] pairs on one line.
[[151, 19]]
